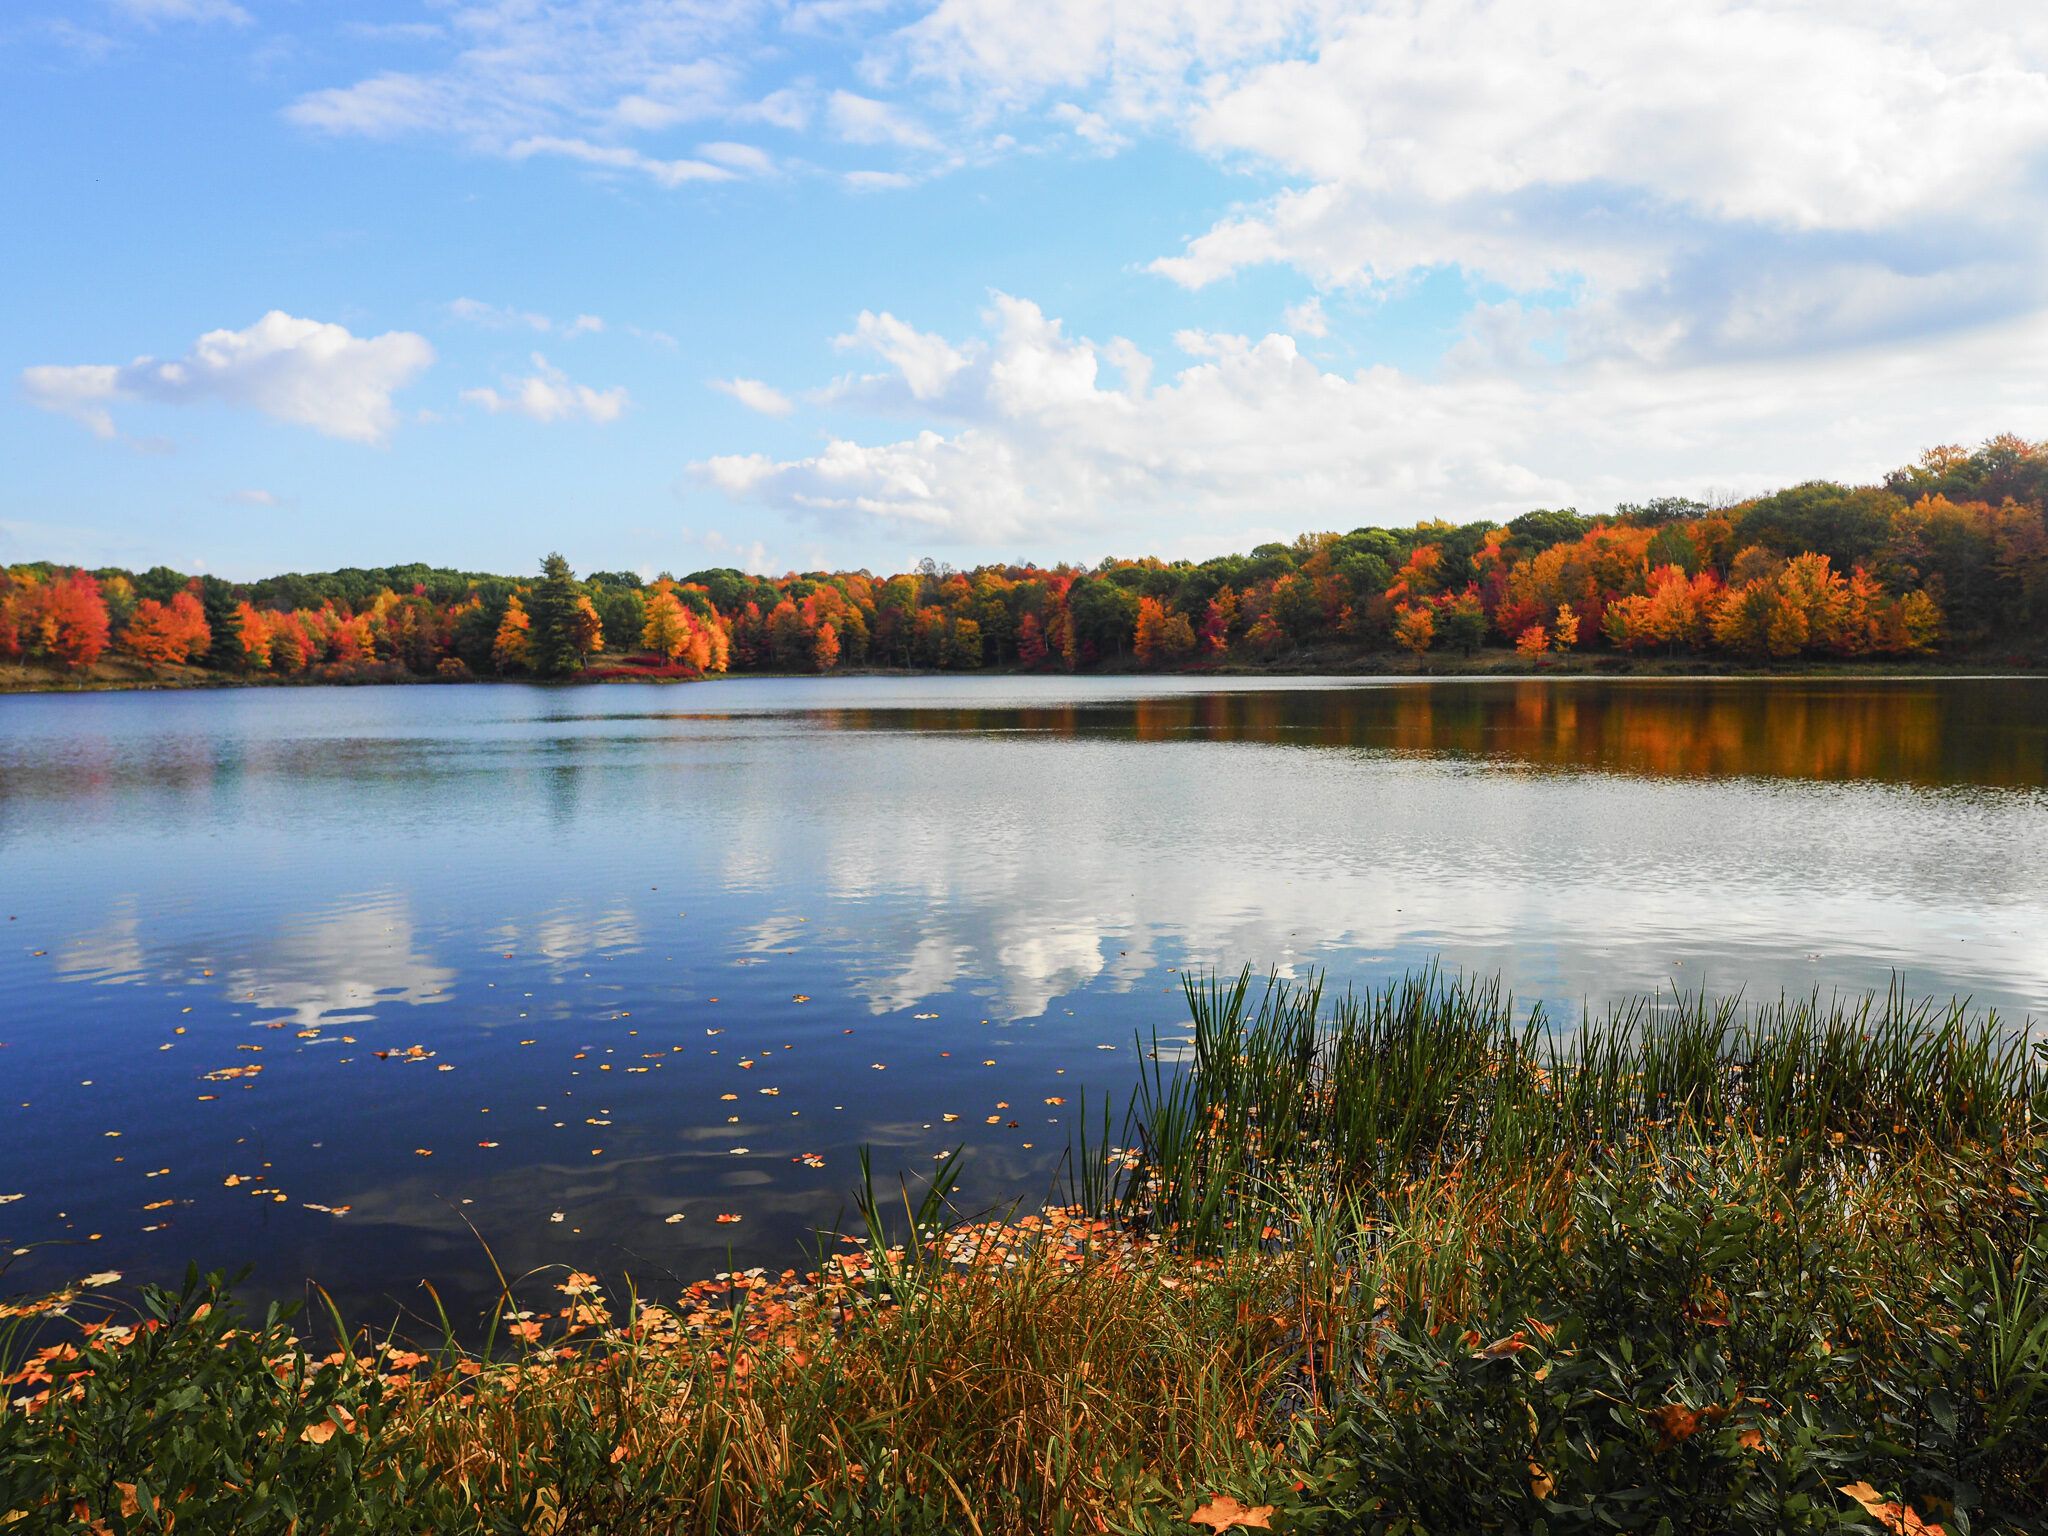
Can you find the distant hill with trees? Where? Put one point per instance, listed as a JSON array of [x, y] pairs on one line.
[[1947, 556]]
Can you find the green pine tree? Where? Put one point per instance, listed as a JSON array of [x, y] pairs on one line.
[[551, 644]]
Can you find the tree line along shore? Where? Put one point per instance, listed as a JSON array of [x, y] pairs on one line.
[[1400, 1262], [1946, 559]]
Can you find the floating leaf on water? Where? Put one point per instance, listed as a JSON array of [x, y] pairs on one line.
[[724, 1219], [104, 1277], [672, 1220]]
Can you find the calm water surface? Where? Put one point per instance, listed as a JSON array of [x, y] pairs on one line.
[[634, 951]]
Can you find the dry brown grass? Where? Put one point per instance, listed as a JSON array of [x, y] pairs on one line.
[[1005, 1398]]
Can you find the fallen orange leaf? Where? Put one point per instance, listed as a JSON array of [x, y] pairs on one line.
[[1675, 1423], [1900, 1519], [1224, 1512]]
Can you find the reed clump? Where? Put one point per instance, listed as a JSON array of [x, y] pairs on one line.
[[1397, 1262]]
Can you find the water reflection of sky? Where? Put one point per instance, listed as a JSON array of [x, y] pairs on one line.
[[866, 872]]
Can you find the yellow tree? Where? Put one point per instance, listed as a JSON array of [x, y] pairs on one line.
[[1565, 633], [664, 633], [1162, 638], [509, 650], [1414, 627]]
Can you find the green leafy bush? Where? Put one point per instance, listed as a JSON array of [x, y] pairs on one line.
[[1701, 1347], [198, 1416]]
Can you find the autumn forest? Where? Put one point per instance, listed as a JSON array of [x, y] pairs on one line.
[[1948, 555]]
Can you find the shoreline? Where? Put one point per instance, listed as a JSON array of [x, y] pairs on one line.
[[1384, 1265], [125, 676]]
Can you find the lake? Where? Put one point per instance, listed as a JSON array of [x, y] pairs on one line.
[[373, 985]]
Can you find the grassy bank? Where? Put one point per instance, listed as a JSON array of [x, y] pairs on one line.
[[122, 673], [1398, 1263]]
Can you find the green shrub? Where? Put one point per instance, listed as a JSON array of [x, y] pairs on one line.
[[1697, 1349], [198, 1415]]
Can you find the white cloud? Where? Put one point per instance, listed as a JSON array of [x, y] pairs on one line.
[[744, 158], [1683, 181], [1142, 54], [1820, 116], [302, 371], [1307, 318], [1701, 180], [1038, 449], [1714, 179], [393, 31], [862, 120], [878, 181], [80, 391], [567, 77], [497, 318], [751, 557], [183, 10], [756, 396], [1091, 127], [254, 498], [548, 395], [925, 363], [617, 157], [789, 108]]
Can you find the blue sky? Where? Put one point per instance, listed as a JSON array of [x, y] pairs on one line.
[[673, 283]]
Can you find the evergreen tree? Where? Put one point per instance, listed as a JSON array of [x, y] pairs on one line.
[[218, 601], [551, 647]]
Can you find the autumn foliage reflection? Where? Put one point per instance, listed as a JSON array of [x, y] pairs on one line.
[[1897, 732]]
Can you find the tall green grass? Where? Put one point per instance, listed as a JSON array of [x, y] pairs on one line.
[[1285, 1100]]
